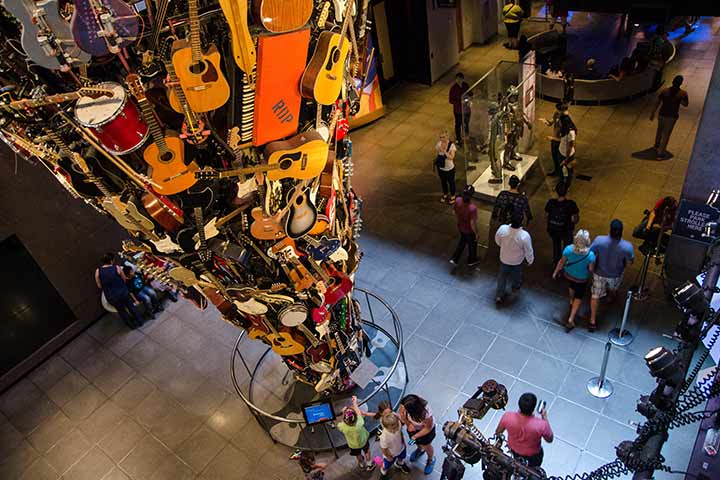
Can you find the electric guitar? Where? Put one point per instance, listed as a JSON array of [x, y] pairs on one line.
[[101, 27], [46, 37], [279, 16], [301, 157], [199, 73], [342, 7], [167, 152], [325, 74], [243, 47], [197, 201], [25, 103], [268, 227]]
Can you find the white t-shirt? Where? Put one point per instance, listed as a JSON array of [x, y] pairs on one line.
[[449, 155], [565, 143], [393, 442]]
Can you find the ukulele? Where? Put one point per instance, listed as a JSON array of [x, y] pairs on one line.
[[166, 154], [193, 128], [301, 157], [324, 76], [243, 47], [279, 16], [199, 73], [101, 27]]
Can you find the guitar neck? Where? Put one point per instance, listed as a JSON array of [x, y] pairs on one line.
[[156, 132], [247, 170], [194, 31], [179, 93]]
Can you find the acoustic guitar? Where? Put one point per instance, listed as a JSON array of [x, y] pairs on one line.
[[302, 215], [325, 74], [199, 73], [301, 157], [279, 16], [268, 227], [167, 152]]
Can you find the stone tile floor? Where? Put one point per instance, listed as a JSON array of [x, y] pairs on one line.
[[157, 403]]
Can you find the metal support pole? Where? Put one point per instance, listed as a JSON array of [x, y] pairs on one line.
[[600, 387], [640, 291], [620, 336], [332, 444]]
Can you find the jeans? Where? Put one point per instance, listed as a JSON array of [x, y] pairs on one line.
[[462, 124], [560, 240], [150, 298], [532, 460], [447, 181], [555, 152], [512, 272], [470, 240], [567, 173], [662, 135], [126, 310]]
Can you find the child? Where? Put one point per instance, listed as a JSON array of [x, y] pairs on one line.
[[137, 286], [383, 408], [392, 445], [312, 470], [356, 435]]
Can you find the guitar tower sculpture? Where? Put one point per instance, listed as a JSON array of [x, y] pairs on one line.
[[215, 133]]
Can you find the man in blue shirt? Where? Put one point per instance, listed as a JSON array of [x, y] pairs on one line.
[[613, 255]]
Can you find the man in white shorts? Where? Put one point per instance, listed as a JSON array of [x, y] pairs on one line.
[[612, 254]]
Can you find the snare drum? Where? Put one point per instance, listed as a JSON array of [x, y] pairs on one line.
[[115, 121], [293, 315]]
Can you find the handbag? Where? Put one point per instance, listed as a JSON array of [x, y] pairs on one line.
[[439, 162]]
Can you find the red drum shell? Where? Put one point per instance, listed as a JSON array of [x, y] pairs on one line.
[[125, 133]]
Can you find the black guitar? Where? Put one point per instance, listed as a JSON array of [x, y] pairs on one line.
[[197, 202]]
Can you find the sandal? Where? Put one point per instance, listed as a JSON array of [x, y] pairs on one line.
[[592, 327], [569, 327]]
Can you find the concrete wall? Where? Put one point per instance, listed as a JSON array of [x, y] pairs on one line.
[[479, 21], [442, 39]]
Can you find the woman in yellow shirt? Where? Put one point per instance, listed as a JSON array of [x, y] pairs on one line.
[[512, 16]]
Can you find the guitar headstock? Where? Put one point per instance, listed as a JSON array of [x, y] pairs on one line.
[[78, 160], [130, 247], [234, 139], [207, 173], [95, 92], [135, 86]]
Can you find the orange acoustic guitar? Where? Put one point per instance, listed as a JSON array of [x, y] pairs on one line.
[[301, 157], [166, 155], [324, 76], [279, 16], [269, 227], [199, 73]]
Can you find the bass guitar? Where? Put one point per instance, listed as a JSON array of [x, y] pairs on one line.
[[166, 154], [279, 16], [46, 37], [199, 73], [325, 74], [301, 157], [101, 27]]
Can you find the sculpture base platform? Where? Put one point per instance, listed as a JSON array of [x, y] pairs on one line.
[[489, 191]]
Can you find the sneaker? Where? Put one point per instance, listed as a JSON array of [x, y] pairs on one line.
[[443, 199], [403, 468], [383, 476], [474, 264], [429, 466], [451, 200], [498, 299], [416, 454], [453, 262], [370, 468]]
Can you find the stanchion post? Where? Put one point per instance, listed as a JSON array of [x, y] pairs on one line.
[[600, 387], [620, 336]]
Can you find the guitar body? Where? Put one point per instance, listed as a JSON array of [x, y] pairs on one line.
[[301, 217], [264, 227], [318, 353], [284, 344], [323, 77], [204, 85], [169, 171], [243, 47], [160, 212], [127, 214], [279, 16], [24, 10], [339, 286], [301, 157], [341, 9], [86, 28]]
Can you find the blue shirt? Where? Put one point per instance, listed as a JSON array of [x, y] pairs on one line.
[[612, 255], [577, 265]]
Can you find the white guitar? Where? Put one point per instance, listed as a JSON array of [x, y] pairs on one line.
[[341, 8]]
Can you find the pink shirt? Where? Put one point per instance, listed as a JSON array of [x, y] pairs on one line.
[[525, 433]]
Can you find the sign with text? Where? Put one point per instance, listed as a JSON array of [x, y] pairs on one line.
[[692, 217]]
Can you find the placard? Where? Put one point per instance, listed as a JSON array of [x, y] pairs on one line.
[[691, 219]]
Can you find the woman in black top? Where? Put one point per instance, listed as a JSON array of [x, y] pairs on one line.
[[509, 201], [562, 215]]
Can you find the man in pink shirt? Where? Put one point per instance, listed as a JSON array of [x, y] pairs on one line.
[[526, 431]]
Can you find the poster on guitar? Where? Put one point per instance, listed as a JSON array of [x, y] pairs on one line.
[[371, 104]]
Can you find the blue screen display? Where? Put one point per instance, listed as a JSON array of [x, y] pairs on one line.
[[318, 413]]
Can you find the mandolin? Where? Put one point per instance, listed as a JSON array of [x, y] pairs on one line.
[[301, 157], [166, 155], [46, 36], [325, 74], [199, 72], [242, 44], [279, 16], [101, 27]]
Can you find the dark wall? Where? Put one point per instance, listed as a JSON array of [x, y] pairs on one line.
[[408, 27], [64, 236]]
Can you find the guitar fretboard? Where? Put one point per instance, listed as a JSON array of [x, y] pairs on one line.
[[157, 133], [194, 31]]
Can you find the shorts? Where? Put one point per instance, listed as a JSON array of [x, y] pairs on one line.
[[426, 439], [358, 451], [389, 463], [578, 288], [601, 285], [533, 461], [513, 29]]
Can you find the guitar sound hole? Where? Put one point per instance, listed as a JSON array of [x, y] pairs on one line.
[[166, 157], [285, 163], [332, 58], [198, 68]]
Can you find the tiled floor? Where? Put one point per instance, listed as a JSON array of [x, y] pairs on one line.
[[158, 403]]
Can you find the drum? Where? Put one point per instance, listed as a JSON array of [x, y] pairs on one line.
[[293, 315], [115, 121]]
